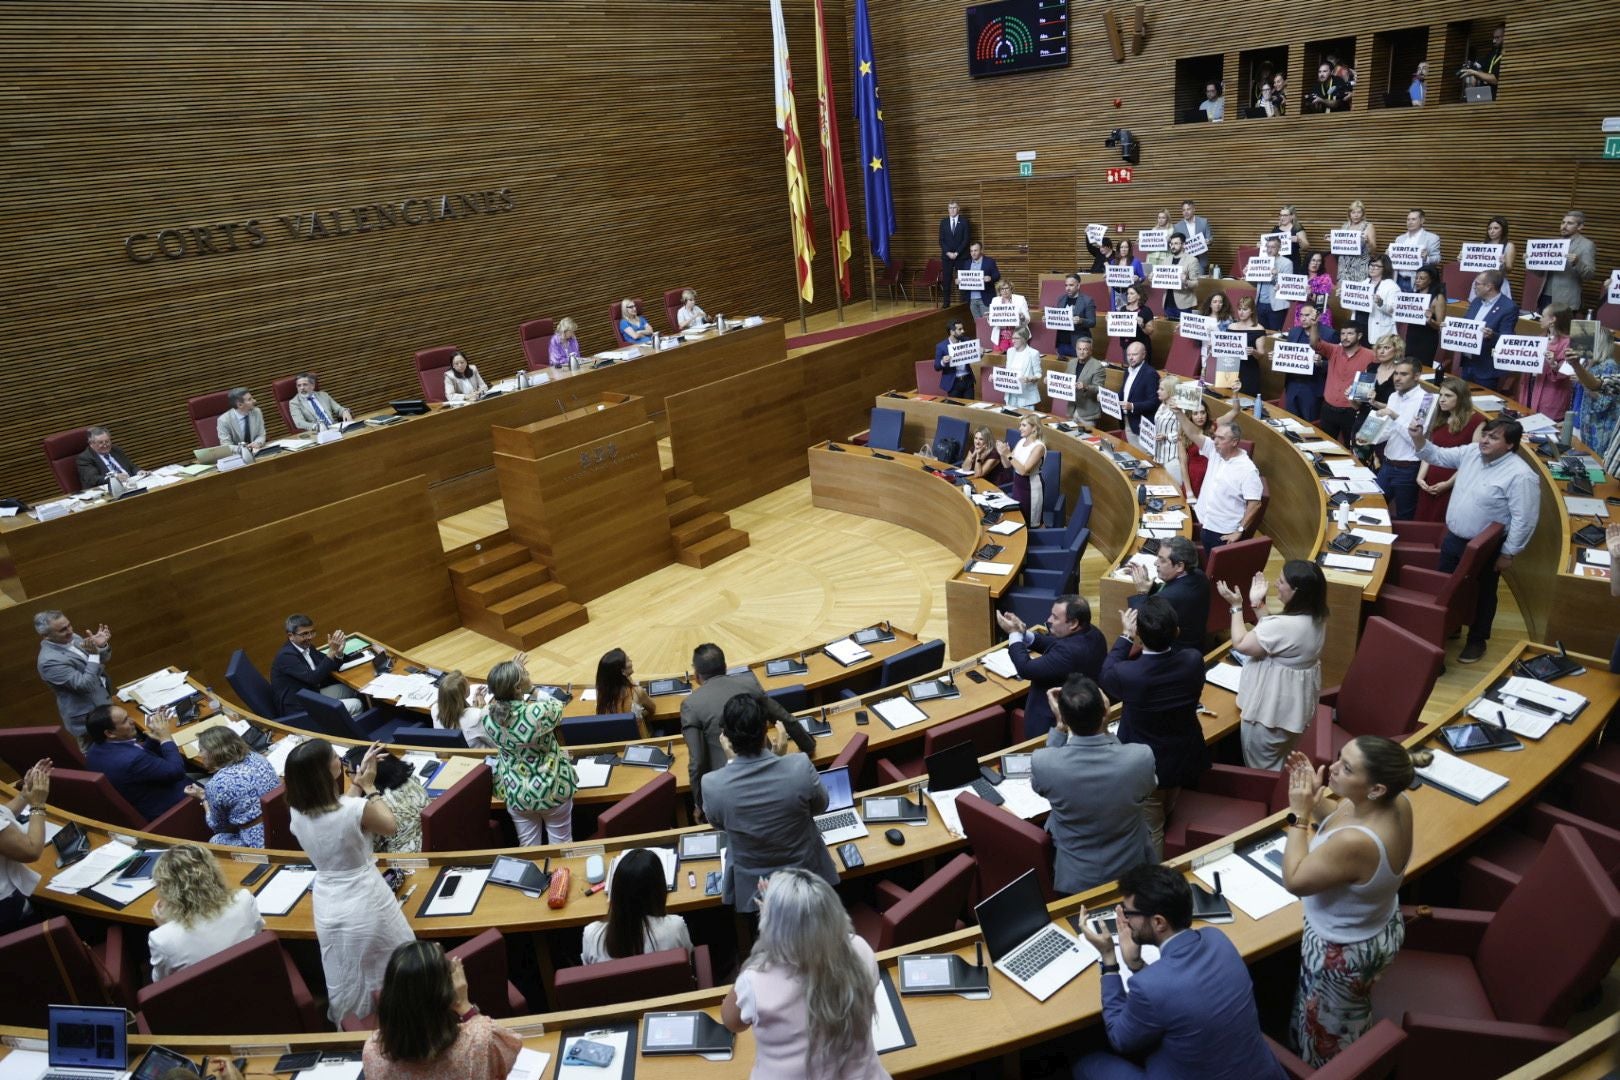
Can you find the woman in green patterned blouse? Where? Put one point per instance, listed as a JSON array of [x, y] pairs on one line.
[[532, 773]]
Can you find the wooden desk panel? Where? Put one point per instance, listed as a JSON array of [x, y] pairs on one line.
[[738, 438]]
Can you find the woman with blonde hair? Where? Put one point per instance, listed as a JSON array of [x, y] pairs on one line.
[[1456, 423], [1001, 337], [633, 326], [564, 347], [460, 706], [196, 913], [1354, 267], [1348, 874], [982, 459], [1288, 224], [689, 314], [1024, 361], [1026, 464], [232, 797], [808, 988]]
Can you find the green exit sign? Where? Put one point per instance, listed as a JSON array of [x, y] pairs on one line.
[[1027, 168], [1611, 146]]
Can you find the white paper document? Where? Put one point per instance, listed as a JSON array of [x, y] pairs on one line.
[[1544, 694], [590, 773], [333, 1070], [1350, 469], [1463, 778], [1000, 662], [1005, 528], [1019, 797], [92, 868], [1245, 887], [1373, 536], [945, 803], [1321, 446], [1225, 676], [284, 889], [530, 1065], [846, 652], [1358, 563], [469, 887], [886, 1031], [279, 751], [899, 712], [1372, 515], [1529, 725], [979, 566]]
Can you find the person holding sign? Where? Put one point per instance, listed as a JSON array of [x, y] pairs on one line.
[[953, 240], [1252, 331], [982, 460], [1456, 423], [1219, 308], [1496, 234], [1026, 462], [1564, 286], [1380, 321], [1009, 311], [1423, 339], [1550, 391], [1089, 372], [1417, 236], [1344, 361], [1024, 362], [1186, 297], [1125, 256], [1500, 315], [1302, 393], [1288, 224], [1136, 304], [978, 260], [1318, 286], [956, 377], [1139, 397], [1493, 484], [1397, 472], [1282, 678], [1102, 251], [1353, 267], [1082, 310], [1270, 306], [1192, 225]]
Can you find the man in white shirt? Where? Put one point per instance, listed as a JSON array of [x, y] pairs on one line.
[[1229, 502], [1417, 235], [1214, 104], [1397, 476]]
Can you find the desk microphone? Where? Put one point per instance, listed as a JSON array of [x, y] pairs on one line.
[[978, 954]]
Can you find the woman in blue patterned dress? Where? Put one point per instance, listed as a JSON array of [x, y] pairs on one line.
[[231, 797], [532, 772]]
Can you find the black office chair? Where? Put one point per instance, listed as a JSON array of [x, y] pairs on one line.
[[330, 717], [884, 432], [949, 429], [590, 730], [254, 690], [1079, 518], [795, 698], [431, 737]]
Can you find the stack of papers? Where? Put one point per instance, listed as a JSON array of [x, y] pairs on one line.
[[979, 566], [92, 868], [287, 885], [1006, 528], [1000, 662], [1350, 469], [530, 1064], [1487, 403], [1544, 696], [945, 803], [1225, 676], [1352, 487], [184, 737], [1358, 563], [157, 689], [1020, 798], [1245, 886], [1373, 536], [1463, 779], [409, 690], [846, 652], [1371, 515], [1526, 724], [277, 754], [1320, 446]]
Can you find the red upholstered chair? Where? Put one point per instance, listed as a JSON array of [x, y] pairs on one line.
[[616, 312], [1595, 792], [650, 809], [206, 998], [431, 364], [1371, 1057], [1530, 298], [1042, 338], [927, 278], [21, 747], [205, 412], [927, 377], [1004, 846], [1459, 282], [185, 820], [1503, 857], [1226, 798], [1383, 691], [929, 910], [1051, 293], [536, 338], [672, 307], [892, 278], [484, 960], [1244, 253], [278, 821], [1186, 357], [459, 819], [1265, 502], [673, 971], [60, 969], [1102, 297], [1480, 994], [981, 327], [1417, 543], [1431, 604], [60, 451], [284, 390], [853, 758], [1609, 315], [986, 729], [1236, 564], [90, 794]]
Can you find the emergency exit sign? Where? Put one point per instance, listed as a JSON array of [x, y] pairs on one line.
[[1026, 168], [1611, 146], [1119, 176]]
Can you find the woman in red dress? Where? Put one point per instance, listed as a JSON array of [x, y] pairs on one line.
[[1456, 423]]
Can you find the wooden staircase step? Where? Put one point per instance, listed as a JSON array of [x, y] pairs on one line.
[[553, 622], [529, 603], [713, 548], [508, 583], [676, 490], [701, 527], [669, 472], [688, 508], [488, 563]]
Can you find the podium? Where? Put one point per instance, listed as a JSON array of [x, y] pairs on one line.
[[584, 491]]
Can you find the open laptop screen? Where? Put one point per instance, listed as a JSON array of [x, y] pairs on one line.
[[836, 784], [953, 767], [1012, 915], [87, 1037]]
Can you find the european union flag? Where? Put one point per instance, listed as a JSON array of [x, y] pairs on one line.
[[874, 148]]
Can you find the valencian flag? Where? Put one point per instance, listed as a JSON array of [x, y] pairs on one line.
[[787, 119], [832, 160], [874, 148]]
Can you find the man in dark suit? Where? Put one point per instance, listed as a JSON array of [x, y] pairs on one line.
[[703, 708], [1181, 583], [951, 383], [146, 769], [953, 241], [1096, 785], [1085, 315], [1160, 690], [1071, 646], [102, 459], [1139, 397], [1499, 314], [979, 299], [1189, 1013], [301, 666]]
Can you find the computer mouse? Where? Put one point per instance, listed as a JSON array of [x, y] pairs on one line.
[[895, 837]]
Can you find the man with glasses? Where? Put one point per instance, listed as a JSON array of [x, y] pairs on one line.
[[302, 665], [1189, 1013]]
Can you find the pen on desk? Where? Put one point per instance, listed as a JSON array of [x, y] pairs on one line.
[[410, 892]]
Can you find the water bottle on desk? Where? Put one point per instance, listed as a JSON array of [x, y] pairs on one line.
[[522, 379], [719, 324], [1343, 517]]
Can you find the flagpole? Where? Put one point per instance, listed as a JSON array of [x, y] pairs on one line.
[[798, 292], [871, 277], [838, 280]]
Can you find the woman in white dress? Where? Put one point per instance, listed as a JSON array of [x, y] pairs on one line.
[[1025, 362], [1026, 463], [1282, 675], [357, 920]]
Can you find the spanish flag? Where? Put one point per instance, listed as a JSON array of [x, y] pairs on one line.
[[832, 160], [787, 120]]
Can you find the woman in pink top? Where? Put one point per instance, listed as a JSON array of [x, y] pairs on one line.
[[808, 988], [1549, 392], [428, 1029]]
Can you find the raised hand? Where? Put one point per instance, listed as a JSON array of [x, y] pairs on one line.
[[1257, 589], [1095, 935], [1229, 594]]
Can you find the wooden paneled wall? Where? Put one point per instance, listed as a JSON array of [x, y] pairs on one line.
[[589, 151], [1530, 155], [194, 608], [742, 437]]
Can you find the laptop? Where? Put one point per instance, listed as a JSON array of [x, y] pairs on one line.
[[1476, 94], [86, 1044], [957, 767], [840, 822], [1025, 944]]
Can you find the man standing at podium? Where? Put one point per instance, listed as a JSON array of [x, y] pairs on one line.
[[953, 241]]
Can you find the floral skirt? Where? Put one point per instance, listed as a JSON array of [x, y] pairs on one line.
[[1334, 1003]]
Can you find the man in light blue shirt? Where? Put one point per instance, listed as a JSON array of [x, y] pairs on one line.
[[1493, 484]]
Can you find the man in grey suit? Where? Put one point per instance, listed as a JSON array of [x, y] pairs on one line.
[[314, 409], [1192, 225], [702, 710], [1096, 785], [1564, 286], [767, 805], [74, 667], [242, 424]]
